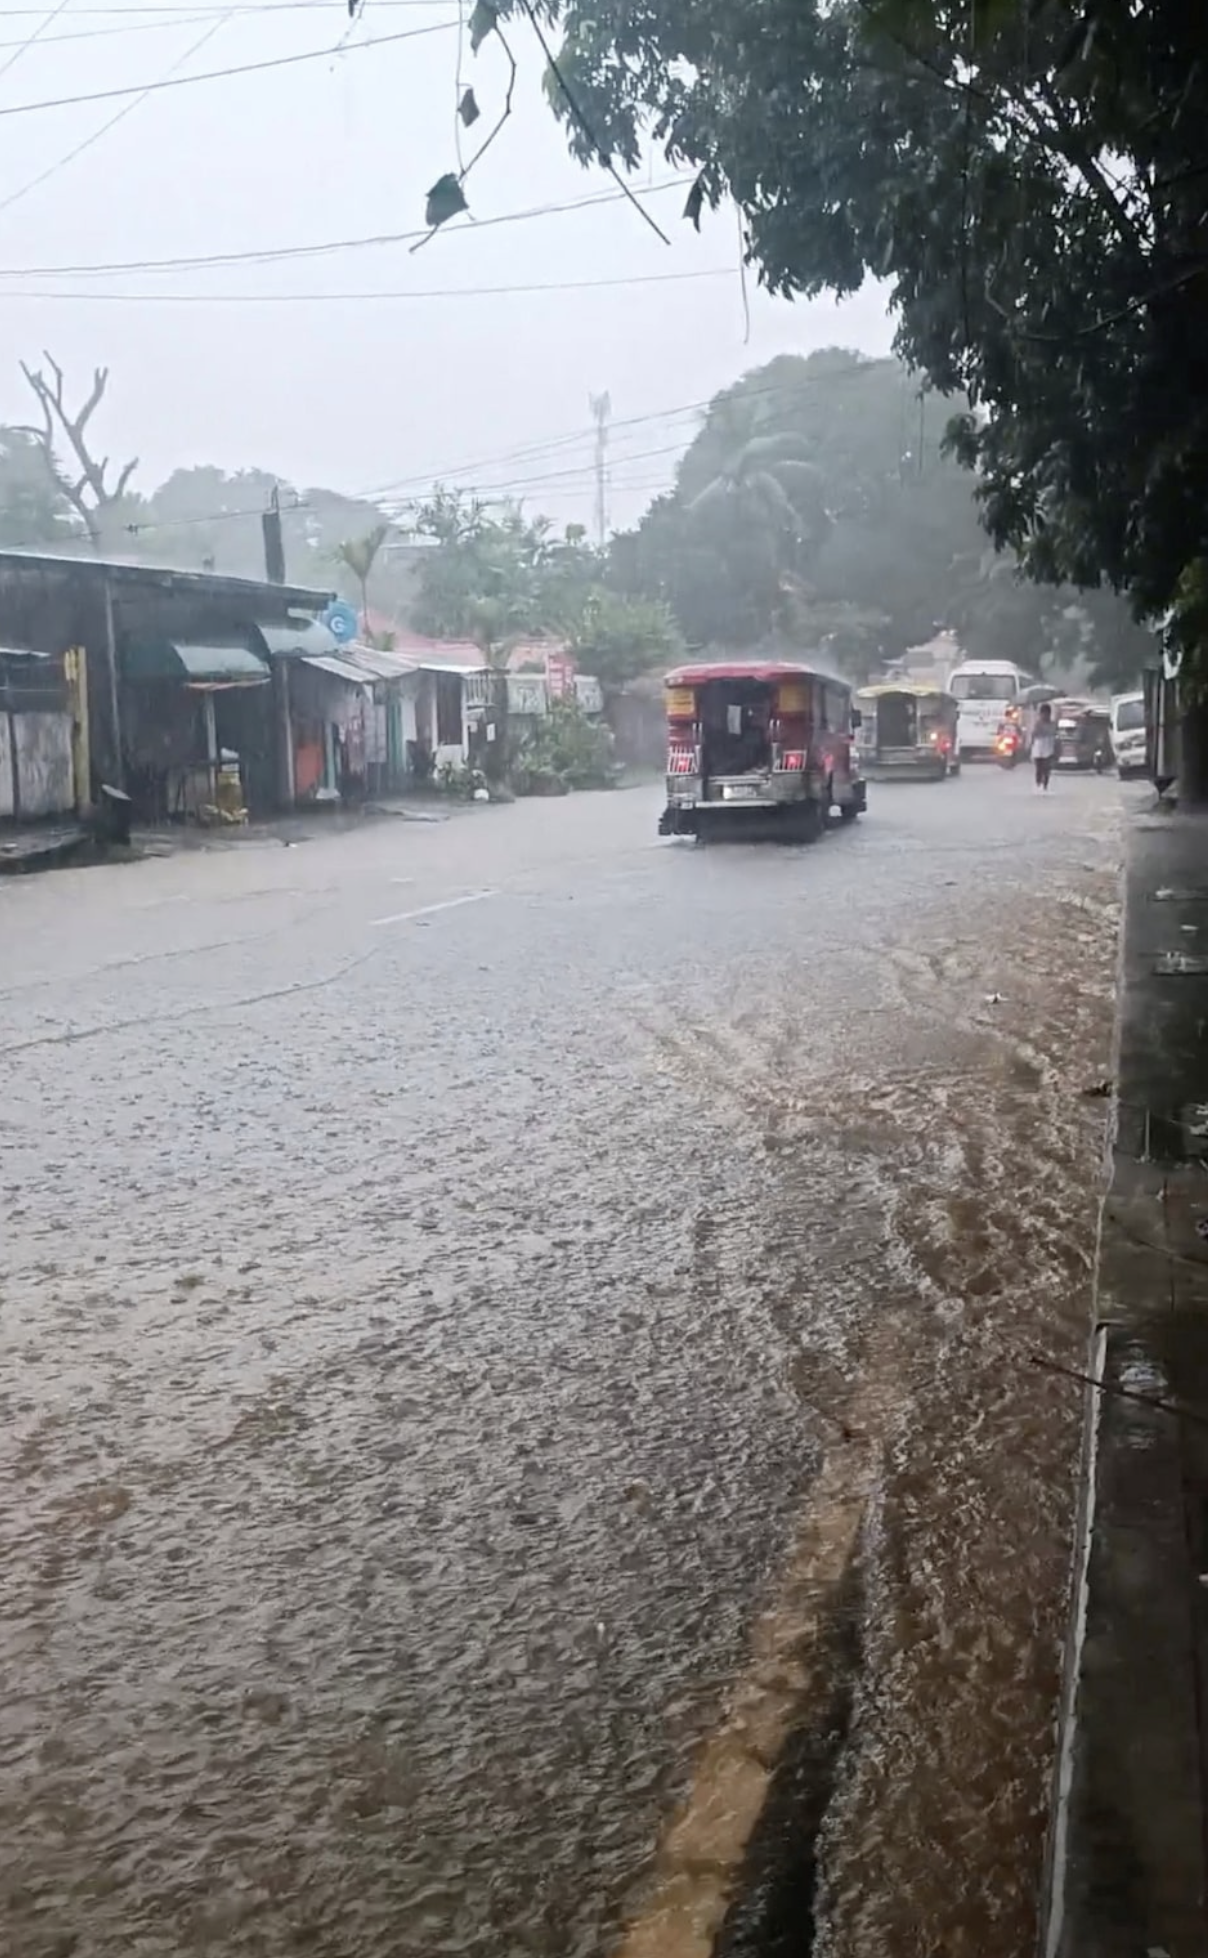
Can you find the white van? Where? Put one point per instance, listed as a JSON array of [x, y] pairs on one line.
[[1128, 734], [985, 689]]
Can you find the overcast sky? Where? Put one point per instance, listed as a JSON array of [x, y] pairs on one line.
[[293, 364]]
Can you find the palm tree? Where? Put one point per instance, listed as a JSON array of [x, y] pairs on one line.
[[769, 484], [359, 555]]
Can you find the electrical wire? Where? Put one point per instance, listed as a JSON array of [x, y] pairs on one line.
[[571, 99], [223, 74], [275, 256], [344, 298], [192, 19], [516, 486], [560, 475], [245, 7], [684, 409], [52, 169], [35, 34]]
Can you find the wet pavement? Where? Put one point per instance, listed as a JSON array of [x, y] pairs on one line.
[[1128, 1844], [517, 1386]]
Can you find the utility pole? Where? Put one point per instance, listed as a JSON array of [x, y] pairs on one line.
[[601, 408], [274, 541]]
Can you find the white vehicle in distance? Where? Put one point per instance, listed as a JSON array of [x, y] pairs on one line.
[[1128, 734], [989, 692]]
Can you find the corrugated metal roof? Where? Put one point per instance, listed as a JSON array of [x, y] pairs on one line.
[[459, 655], [381, 661], [132, 571], [197, 665], [298, 639], [340, 669], [460, 668]]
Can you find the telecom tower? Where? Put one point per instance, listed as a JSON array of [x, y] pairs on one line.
[[601, 408]]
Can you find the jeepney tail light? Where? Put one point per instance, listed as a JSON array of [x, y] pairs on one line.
[[792, 760], [681, 761]]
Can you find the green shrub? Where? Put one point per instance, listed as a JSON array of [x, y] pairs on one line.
[[566, 746]]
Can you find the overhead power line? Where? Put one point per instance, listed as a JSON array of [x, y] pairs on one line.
[[193, 18], [222, 74], [160, 19], [88, 297], [22, 47], [200, 262], [127, 109], [453, 471], [567, 481], [245, 7]]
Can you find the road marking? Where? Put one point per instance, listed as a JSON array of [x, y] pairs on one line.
[[426, 910]]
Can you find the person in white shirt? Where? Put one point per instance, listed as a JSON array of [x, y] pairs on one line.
[[1044, 745]]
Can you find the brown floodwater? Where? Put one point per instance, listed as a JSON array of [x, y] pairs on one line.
[[521, 1432]]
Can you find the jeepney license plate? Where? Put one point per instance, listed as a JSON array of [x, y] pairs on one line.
[[739, 792]]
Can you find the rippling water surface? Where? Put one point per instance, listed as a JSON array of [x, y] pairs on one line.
[[462, 1424]]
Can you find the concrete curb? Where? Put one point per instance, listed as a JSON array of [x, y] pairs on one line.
[[24, 852], [1127, 1867]]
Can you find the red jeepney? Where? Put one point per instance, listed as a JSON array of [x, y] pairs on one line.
[[762, 744]]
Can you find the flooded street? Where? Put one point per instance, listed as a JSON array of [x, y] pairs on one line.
[[521, 1426]]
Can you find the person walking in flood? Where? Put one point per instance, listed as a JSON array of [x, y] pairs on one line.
[[1044, 745]]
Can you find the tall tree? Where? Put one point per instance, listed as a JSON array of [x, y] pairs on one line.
[[620, 639], [1029, 181], [897, 550], [33, 509], [83, 479], [485, 574]]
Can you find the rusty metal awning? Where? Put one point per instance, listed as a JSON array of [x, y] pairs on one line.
[[340, 669]]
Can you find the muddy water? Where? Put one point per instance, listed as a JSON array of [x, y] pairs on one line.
[[435, 1536], [895, 1714], [967, 1544]]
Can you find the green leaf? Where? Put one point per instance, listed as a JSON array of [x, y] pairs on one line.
[[483, 21], [696, 203], [468, 108], [446, 200]]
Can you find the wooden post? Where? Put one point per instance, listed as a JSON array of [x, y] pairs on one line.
[[285, 732], [211, 742], [11, 721], [115, 712], [75, 663]]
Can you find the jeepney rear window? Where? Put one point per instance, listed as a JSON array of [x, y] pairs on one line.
[[836, 710]]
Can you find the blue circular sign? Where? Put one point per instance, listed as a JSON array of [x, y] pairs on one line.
[[341, 621]]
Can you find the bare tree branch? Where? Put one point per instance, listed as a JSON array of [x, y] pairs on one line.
[[89, 495]]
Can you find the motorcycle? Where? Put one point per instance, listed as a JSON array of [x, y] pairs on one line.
[[1008, 746]]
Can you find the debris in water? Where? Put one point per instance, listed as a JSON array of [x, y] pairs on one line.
[[996, 999], [1099, 1090]]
